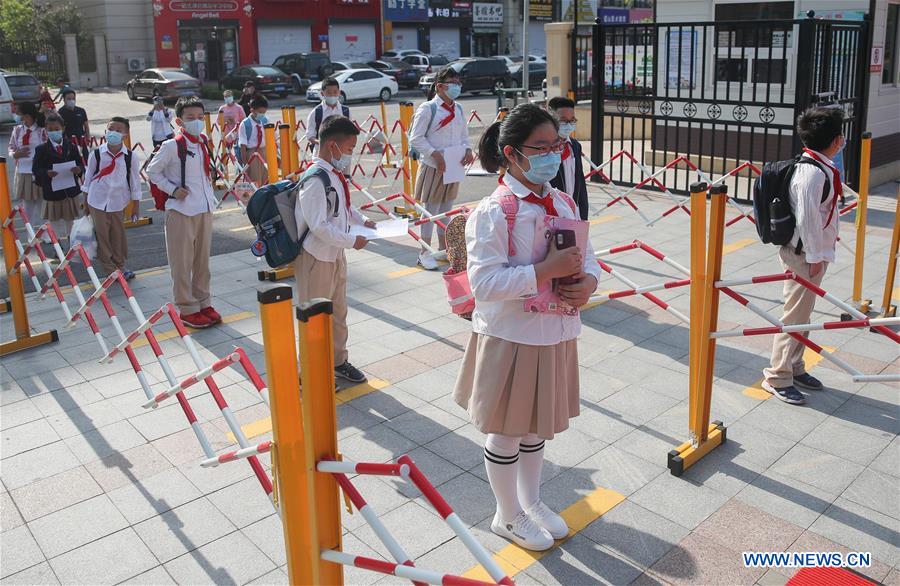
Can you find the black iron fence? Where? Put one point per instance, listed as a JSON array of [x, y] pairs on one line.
[[43, 60], [718, 94]]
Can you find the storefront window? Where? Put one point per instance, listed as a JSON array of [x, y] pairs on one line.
[[208, 52]]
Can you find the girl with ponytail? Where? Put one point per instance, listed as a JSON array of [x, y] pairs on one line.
[[439, 124], [519, 376]]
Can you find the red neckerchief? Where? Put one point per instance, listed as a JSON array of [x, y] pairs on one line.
[[58, 149], [450, 108], [545, 202], [27, 138], [259, 135], [346, 186], [838, 187], [112, 165], [201, 143], [567, 151]]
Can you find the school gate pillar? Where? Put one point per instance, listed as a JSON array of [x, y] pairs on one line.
[[71, 50], [559, 58], [101, 60]]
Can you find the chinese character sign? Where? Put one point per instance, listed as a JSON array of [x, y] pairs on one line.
[[487, 13], [406, 10]]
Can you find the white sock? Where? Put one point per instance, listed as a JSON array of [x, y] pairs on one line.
[[501, 457], [443, 208], [428, 227], [531, 461]]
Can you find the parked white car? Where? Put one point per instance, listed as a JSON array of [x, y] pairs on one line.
[[6, 102], [400, 53], [514, 62], [426, 63], [358, 84]]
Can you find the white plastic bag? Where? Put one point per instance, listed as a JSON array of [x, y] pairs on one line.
[[83, 234]]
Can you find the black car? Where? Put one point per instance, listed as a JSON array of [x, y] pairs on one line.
[[268, 79], [304, 69], [406, 75], [167, 82], [477, 74], [536, 74]]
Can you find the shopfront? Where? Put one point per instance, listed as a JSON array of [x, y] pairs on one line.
[[405, 24], [450, 28], [487, 21]]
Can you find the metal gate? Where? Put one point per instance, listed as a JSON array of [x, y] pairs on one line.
[[39, 58], [720, 94]]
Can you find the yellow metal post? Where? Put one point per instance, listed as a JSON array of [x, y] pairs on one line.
[[293, 464], [406, 114], [271, 153], [320, 422], [285, 131], [384, 126], [207, 122], [295, 155], [698, 269], [888, 310], [24, 337], [861, 217], [130, 206]]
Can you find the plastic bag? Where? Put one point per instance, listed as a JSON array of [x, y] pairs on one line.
[[83, 234]]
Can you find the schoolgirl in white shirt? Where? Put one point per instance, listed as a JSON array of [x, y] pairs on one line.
[[519, 376]]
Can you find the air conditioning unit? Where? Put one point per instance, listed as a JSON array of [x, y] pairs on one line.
[[136, 64]]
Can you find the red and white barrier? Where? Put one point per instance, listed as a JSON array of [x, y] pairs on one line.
[[235, 455], [193, 379], [830, 325], [417, 575], [366, 468], [379, 203]]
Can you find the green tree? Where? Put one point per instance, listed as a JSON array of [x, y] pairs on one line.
[[56, 19], [16, 20]]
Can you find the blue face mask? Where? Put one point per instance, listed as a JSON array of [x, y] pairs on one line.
[[543, 167], [341, 162], [566, 129], [113, 138], [332, 100], [194, 127], [229, 100], [453, 90], [55, 135], [261, 118]]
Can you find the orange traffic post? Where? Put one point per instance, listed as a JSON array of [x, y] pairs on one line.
[[285, 135], [406, 115], [24, 337], [207, 123], [130, 207], [320, 423], [271, 153], [704, 436], [698, 275], [295, 155], [887, 309], [865, 154], [293, 466], [384, 126]]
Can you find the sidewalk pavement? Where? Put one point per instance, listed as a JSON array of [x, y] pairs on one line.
[[96, 490]]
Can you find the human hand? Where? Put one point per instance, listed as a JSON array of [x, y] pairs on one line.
[[816, 268], [559, 263], [579, 293], [21, 153], [439, 161], [468, 158], [180, 193], [76, 171], [369, 224], [360, 243], [52, 173]]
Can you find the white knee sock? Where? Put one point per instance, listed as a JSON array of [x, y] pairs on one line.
[[501, 457], [443, 208], [428, 227], [531, 461]]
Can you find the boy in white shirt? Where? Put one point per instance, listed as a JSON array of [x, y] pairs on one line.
[[324, 216], [188, 213], [160, 119], [330, 106], [814, 192], [252, 140], [112, 180]]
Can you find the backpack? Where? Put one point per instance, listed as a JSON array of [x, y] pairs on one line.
[[320, 112], [456, 278], [271, 211], [775, 219], [413, 153], [160, 197]]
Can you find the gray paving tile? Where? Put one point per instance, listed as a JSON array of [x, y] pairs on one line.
[[436, 469], [25, 437], [876, 491], [155, 577], [698, 560], [468, 495], [752, 445], [77, 525], [580, 561], [10, 518], [268, 535], [835, 437], [182, 447], [183, 529], [153, 495], [376, 444], [233, 559], [425, 424], [274, 578], [815, 467], [860, 529], [741, 527], [357, 577], [55, 493], [109, 560], [84, 418], [20, 551], [243, 502], [381, 495], [869, 418], [39, 575], [428, 385], [208, 480], [463, 447], [679, 500], [635, 534], [787, 498], [104, 442], [783, 420], [20, 413], [127, 466], [418, 529], [888, 461]]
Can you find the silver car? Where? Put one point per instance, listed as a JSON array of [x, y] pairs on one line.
[[24, 87]]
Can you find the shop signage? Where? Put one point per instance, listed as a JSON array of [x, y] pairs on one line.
[[450, 9], [640, 15], [613, 15], [540, 9], [876, 63], [165, 42], [485, 13], [406, 10], [203, 5]]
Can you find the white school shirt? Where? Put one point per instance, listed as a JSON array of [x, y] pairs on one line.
[[160, 128], [110, 193], [500, 282], [257, 132], [569, 171], [165, 172], [807, 183], [311, 130], [326, 215], [427, 138], [38, 136]]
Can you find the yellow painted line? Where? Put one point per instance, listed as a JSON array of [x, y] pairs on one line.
[[810, 358], [593, 304], [735, 246], [604, 219], [151, 273], [404, 272], [264, 425], [241, 229], [513, 559], [169, 334]]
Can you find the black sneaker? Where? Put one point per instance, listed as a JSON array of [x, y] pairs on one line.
[[350, 373], [809, 382], [786, 394]]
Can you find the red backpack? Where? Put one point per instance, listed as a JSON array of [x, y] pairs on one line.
[[160, 197]]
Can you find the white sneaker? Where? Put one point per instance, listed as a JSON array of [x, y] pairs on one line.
[[523, 531], [440, 255], [427, 262], [546, 518]]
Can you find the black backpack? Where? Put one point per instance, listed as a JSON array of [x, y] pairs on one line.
[[775, 219], [320, 112], [271, 211], [127, 165]]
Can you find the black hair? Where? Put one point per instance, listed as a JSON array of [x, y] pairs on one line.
[[28, 109], [250, 83], [560, 102], [67, 90], [54, 117], [330, 81], [446, 73], [514, 131], [259, 101], [337, 127], [188, 102], [120, 120], [818, 127]]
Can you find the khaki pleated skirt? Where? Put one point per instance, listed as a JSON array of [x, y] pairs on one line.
[[430, 186], [516, 389], [26, 189], [68, 209]]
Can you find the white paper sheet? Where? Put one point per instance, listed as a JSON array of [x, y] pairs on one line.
[[23, 165], [64, 178], [455, 172], [385, 229]]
